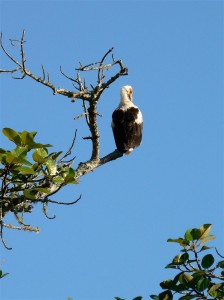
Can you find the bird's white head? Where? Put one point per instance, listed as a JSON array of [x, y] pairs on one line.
[[126, 93]]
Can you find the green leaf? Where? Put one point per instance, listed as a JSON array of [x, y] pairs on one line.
[[194, 234], [27, 138], [70, 177], [38, 158], [25, 170], [180, 241], [214, 288], [12, 135], [2, 150], [42, 190], [188, 297], [51, 166], [167, 295], [118, 298], [16, 156], [203, 248], [204, 231], [221, 264], [42, 152], [184, 257], [189, 235], [30, 194], [58, 179], [171, 266], [12, 159], [155, 297], [166, 284], [55, 155], [185, 278], [39, 155], [19, 151], [176, 259], [3, 158], [179, 288], [198, 274], [207, 261], [207, 239], [138, 298], [202, 284], [39, 145]]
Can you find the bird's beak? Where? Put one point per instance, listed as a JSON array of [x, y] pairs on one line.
[[130, 95]]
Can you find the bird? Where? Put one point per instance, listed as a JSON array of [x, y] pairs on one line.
[[127, 122]]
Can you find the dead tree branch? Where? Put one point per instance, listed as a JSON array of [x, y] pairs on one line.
[[91, 165], [16, 202]]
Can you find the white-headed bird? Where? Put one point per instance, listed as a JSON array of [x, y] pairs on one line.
[[127, 122]]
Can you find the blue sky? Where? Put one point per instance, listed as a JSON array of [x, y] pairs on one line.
[[113, 242]]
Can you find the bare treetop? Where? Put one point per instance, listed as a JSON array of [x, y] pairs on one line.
[[17, 197]]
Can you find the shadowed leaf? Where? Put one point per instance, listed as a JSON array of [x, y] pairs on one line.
[[25, 170], [12, 135], [207, 261], [206, 239], [202, 284], [204, 231], [180, 241], [214, 288], [167, 295], [30, 194]]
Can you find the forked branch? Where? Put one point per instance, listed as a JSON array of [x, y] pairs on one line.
[[89, 95]]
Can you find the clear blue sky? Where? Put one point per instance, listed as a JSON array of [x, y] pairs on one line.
[[113, 242]]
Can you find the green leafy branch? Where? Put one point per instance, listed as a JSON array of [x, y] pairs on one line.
[[30, 174], [199, 277]]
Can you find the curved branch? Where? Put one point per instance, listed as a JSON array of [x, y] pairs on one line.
[[89, 166], [84, 95], [61, 203]]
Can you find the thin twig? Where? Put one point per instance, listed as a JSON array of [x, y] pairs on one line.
[[43, 72], [1, 233], [66, 76], [62, 203], [85, 112], [22, 52], [70, 148], [45, 210], [84, 95], [24, 228], [9, 71], [218, 253]]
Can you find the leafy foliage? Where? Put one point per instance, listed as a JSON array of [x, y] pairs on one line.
[[29, 174], [199, 277]]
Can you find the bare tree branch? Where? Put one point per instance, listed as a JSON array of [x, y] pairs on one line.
[[89, 166], [25, 72], [62, 203], [16, 202], [70, 148]]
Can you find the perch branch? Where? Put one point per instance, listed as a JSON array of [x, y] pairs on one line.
[[17, 203], [91, 165]]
